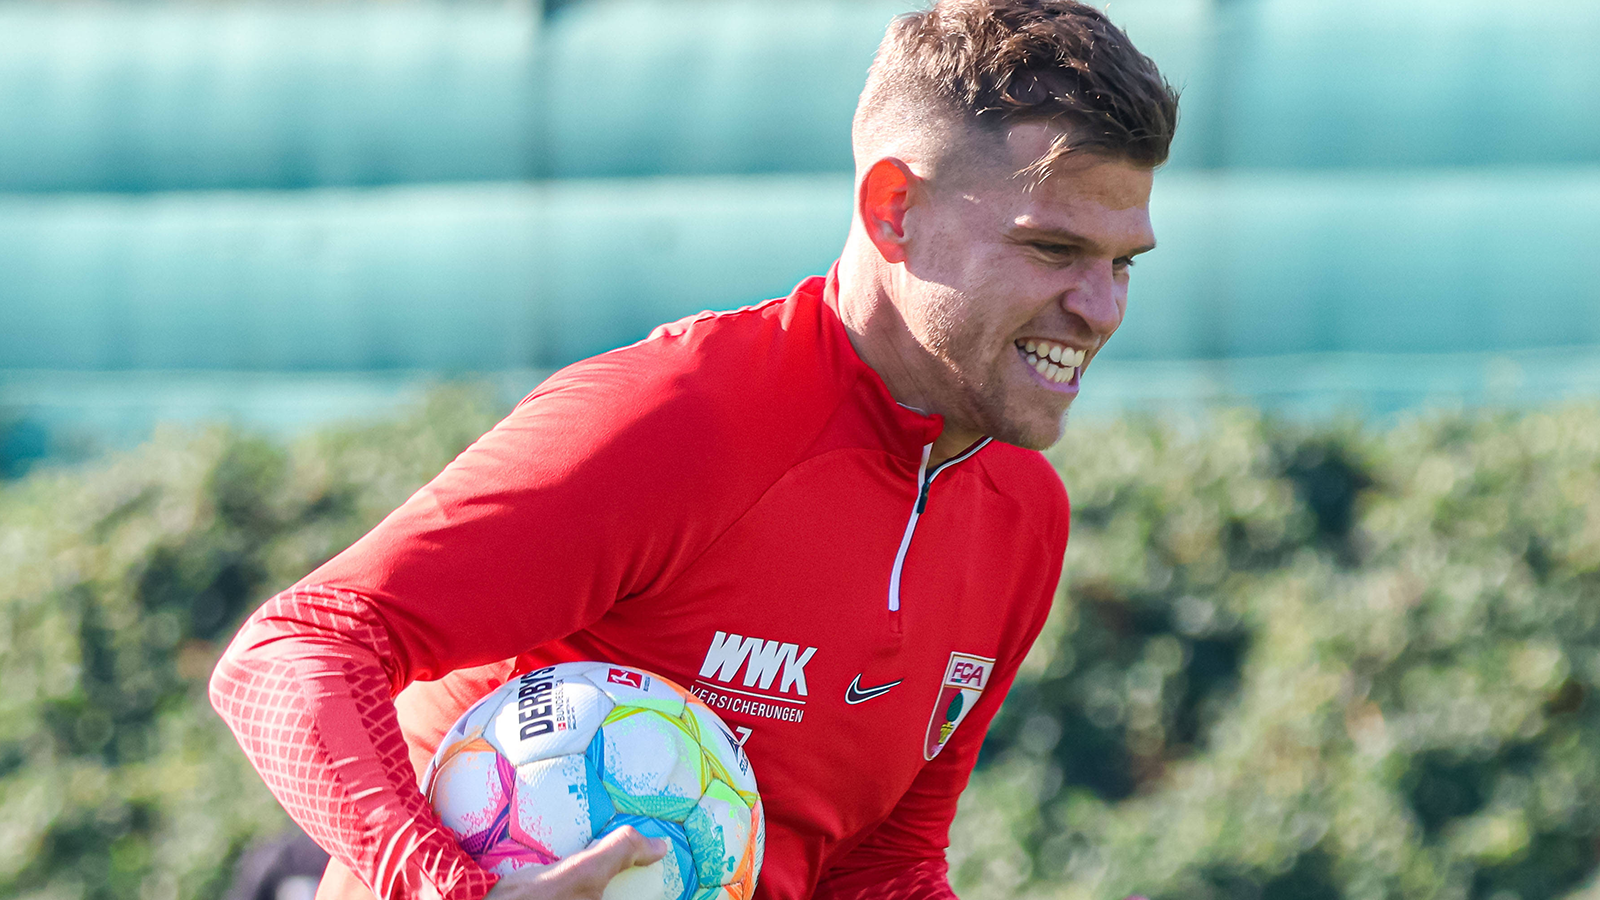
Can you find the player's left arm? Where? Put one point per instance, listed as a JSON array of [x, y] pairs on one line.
[[903, 858]]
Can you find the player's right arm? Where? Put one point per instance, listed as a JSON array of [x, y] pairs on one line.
[[580, 497]]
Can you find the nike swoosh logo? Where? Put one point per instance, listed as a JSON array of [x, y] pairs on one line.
[[855, 693]]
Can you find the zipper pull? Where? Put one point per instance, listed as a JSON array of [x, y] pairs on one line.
[[924, 478]]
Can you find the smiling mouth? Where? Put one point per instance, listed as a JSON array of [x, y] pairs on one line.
[[1058, 363]]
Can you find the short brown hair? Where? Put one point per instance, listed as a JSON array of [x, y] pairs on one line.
[[1003, 62]]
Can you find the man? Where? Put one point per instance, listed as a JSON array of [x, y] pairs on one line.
[[832, 495]]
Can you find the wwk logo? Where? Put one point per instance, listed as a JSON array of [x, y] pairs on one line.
[[762, 661]]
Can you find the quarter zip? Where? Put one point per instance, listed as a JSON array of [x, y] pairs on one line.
[[926, 477]]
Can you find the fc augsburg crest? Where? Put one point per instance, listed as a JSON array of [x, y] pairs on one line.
[[964, 679]]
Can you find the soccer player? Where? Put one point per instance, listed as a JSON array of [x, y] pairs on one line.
[[826, 514]]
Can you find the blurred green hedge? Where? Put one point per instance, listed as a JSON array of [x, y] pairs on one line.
[[119, 585], [1310, 663], [1293, 661]]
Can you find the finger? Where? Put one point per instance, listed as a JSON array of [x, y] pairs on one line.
[[625, 848], [619, 850]]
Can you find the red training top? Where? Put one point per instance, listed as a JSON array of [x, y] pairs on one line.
[[736, 503]]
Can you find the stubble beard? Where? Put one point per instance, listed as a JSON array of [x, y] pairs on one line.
[[985, 402], [1004, 415], [1033, 432]]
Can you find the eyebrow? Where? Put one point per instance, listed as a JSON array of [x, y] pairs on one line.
[[1063, 236]]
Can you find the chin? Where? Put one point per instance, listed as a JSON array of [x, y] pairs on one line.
[[1035, 435], [1021, 418]]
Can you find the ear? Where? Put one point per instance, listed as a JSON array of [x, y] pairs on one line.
[[888, 190]]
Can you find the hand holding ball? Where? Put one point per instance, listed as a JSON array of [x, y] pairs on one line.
[[587, 874], [558, 759]]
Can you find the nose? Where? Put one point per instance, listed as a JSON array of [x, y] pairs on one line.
[[1098, 297]]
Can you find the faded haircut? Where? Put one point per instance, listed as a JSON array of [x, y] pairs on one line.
[[992, 64]]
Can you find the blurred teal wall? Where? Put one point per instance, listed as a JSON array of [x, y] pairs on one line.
[[447, 188], [138, 98]]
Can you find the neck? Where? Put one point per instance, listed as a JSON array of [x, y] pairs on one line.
[[946, 446], [879, 335]]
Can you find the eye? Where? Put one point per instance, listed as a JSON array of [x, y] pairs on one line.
[[1056, 253], [1122, 264]]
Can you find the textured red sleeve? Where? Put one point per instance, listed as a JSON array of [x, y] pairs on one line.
[[590, 491], [903, 857], [304, 689]]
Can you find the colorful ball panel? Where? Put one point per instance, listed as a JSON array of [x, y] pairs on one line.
[[719, 834], [601, 809], [507, 857], [722, 748], [552, 815], [547, 714], [471, 725], [670, 878], [758, 847], [471, 791], [468, 789], [652, 766]]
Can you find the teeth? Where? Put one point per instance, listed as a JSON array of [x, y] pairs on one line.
[[1054, 361], [1056, 353]]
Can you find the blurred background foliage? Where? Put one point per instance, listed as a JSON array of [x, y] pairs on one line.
[[123, 581], [1290, 661], [1339, 661]]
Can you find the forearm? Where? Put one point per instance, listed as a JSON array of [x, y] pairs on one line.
[[305, 690]]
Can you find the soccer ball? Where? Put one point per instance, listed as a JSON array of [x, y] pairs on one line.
[[557, 758]]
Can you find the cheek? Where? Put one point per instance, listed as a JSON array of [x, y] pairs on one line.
[[935, 318], [956, 330]]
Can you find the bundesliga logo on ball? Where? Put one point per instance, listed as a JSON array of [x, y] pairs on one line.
[[564, 755]]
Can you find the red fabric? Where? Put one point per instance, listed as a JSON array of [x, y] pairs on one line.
[[926, 879], [721, 504]]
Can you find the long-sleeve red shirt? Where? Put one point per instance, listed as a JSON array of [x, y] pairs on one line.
[[736, 503]]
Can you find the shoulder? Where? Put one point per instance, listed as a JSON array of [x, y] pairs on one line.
[[1030, 480], [715, 403], [727, 379]]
